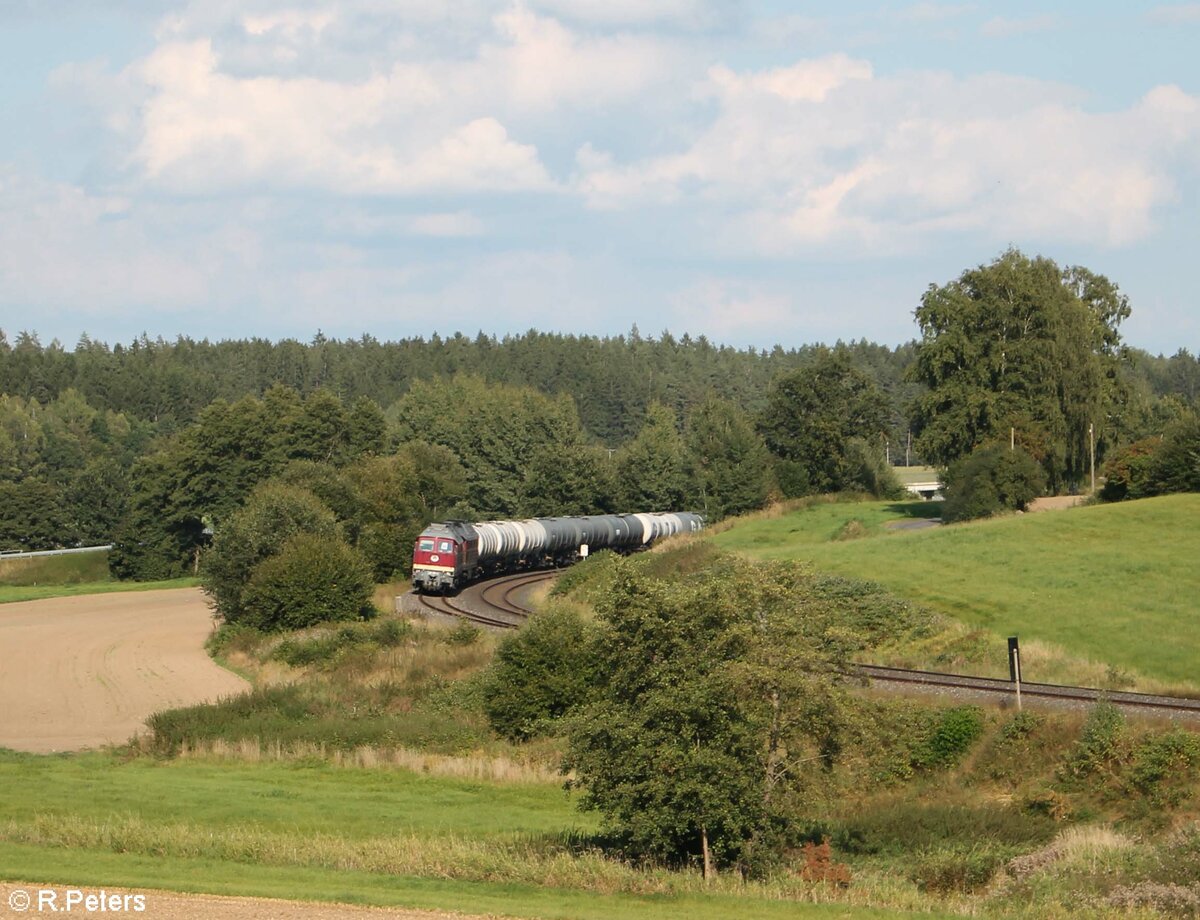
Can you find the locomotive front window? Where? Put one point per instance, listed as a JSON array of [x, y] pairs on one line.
[[445, 546], [426, 546]]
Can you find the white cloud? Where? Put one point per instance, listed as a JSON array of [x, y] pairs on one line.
[[687, 13], [539, 64], [805, 81], [290, 23], [1003, 27], [205, 130], [230, 98], [823, 153], [732, 310], [65, 248], [449, 224]]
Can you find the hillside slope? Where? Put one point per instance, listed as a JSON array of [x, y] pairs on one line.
[[1117, 583]]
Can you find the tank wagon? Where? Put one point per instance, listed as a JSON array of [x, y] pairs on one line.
[[451, 554]]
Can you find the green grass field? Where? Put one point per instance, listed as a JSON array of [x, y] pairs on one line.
[[311, 831], [68, 569], [39, 577], [1115, 583]]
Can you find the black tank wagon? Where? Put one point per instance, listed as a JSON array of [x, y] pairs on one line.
[[451, 554]]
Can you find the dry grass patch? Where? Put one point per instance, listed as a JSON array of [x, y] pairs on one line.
[[534, 768]]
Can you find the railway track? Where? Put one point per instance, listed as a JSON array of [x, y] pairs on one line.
[[447, 607], [500, 592], [495, 604], [1145, 703]]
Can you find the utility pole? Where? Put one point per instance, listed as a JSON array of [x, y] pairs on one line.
[[1092, 445], [908, 449]]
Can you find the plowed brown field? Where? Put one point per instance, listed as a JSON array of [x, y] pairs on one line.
[[79, 672]]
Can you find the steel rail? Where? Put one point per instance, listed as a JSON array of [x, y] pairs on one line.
[[445, 606], [941, 680], [510, 585], [484, 594], [506, 586]]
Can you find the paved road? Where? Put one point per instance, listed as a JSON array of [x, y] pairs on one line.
[[79, 672]]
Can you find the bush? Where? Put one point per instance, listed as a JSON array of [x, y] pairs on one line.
[[1102, 743], [1164, 767], [539, 674], [1127, 473], [1021, 726], [324, 649], [463, 633], [963, 871], [956, 731], [1175, 466], [992, 479], [313, 579], [867, 468], [271, 516]]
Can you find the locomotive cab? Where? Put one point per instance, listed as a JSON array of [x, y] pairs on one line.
[[440, 558]]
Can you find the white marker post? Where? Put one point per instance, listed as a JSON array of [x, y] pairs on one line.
[[1014, 665]]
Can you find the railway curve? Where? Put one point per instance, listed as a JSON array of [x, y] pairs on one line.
[[498, 604]]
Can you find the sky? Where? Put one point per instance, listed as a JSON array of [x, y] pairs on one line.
[[758, 172]]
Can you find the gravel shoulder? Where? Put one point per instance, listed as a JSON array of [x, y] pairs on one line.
[[80, 672]]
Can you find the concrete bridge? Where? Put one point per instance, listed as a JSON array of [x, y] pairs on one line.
[[927, 490]]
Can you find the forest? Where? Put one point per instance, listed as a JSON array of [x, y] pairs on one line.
[[154, 443]]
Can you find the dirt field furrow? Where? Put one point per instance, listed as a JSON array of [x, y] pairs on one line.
[[79, 672]]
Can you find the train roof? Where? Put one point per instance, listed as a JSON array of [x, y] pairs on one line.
[[459, 530]]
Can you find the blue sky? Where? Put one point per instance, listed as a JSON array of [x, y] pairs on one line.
[[760, 173]]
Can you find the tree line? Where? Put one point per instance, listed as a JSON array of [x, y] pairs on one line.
[[613, 380], [155, 443]]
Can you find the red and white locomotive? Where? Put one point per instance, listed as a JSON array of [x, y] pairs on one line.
[[451, 554]]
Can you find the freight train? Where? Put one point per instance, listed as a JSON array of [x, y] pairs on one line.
[[454, 553]]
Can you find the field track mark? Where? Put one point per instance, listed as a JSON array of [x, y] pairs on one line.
[[80, 672]]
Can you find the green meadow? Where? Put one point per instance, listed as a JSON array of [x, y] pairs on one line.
[[1118, 583], [313, 831]]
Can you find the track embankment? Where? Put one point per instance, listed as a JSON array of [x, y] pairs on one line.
[[79, 672]]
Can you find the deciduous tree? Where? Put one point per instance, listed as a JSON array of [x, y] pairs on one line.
[[1019, 344], [711, 696], [812, 413], [731, 461]]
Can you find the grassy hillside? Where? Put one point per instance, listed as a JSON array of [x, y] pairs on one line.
[[37, 577], [1116, 583], [68, 569]]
